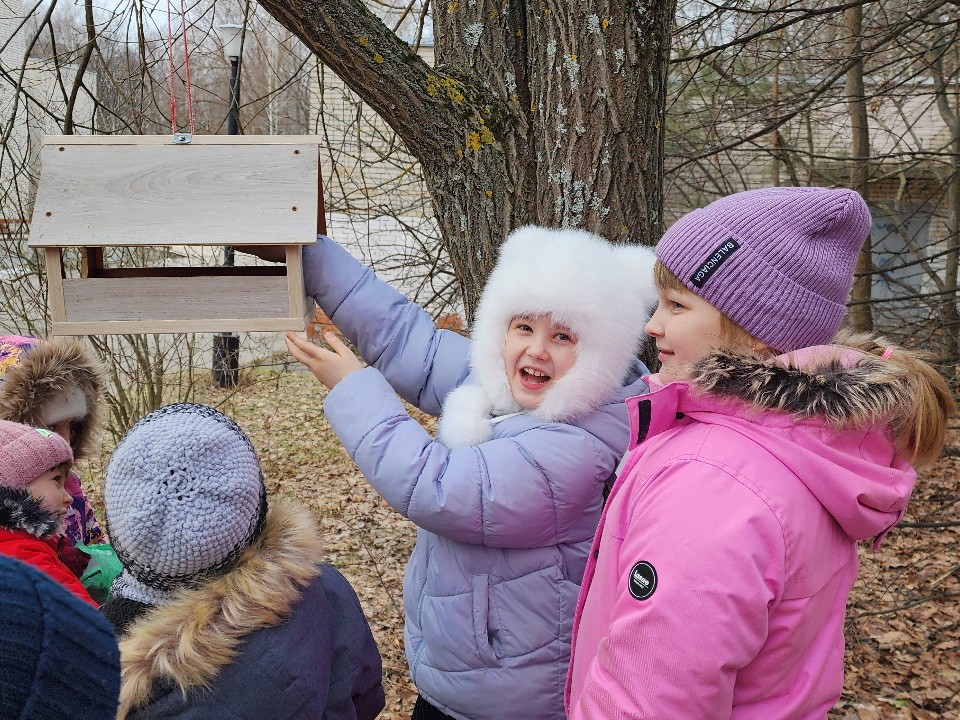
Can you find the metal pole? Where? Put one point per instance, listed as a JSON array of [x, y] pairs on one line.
[[226, 346]]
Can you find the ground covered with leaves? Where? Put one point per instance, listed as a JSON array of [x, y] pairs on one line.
[[903, 630]]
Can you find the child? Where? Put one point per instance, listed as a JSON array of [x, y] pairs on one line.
[[223, 608], [717, 583], [56, 384], [34, 466], [532, 427], [58, 656]]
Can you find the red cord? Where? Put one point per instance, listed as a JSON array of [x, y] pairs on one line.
[[173, 98], [186, 64]]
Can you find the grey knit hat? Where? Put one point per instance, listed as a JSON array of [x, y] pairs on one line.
[[184, 496], [777, 261]]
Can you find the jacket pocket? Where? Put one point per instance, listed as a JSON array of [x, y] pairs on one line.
[[530, 612], [454, 629]]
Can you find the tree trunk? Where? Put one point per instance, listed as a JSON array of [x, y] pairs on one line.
[[949, 310], [537, 112], [861, 317]]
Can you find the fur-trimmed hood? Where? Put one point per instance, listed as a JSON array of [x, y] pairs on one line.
[[37, 376], [602, 292], [843, 386], [827, 413], [21, 512], [184, 643]]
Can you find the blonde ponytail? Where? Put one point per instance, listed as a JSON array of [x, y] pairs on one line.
[[920, 428]]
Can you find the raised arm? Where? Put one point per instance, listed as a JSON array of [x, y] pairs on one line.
[[394, 335], [533, 489]]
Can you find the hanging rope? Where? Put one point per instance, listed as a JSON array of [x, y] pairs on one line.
[[186, 64]]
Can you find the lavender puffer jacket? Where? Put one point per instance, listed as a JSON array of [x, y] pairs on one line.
[[505, 525]]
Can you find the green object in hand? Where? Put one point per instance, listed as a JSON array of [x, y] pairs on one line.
[[103, 567]]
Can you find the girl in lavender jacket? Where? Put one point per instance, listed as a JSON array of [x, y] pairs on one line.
[[717, 584], [532, 425]]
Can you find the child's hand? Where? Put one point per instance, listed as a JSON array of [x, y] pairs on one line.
[[328, 366]]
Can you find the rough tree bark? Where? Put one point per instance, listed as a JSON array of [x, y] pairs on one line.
[[949, 308], [539, 111]]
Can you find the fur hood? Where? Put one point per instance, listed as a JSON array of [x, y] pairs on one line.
[[602, 292], [60, 372], [185, 642], [20, 511], [840, 384]]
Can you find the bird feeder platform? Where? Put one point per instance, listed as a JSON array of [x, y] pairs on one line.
[[99, 192]]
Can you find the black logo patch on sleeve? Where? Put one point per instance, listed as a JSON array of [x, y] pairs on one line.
[[719, 256], [643, 580]]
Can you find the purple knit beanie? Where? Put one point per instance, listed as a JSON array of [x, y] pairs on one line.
[[778, 261], [26, 453]]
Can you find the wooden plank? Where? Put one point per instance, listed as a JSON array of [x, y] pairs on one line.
[[211, 271], [321, 205], [54, 284], [181, 299], [145, 195], [91, 261], [197, 140], [176, 327], [295, 289]]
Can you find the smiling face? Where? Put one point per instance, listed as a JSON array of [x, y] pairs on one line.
[[537, 353], [48, 490], [686, 328]]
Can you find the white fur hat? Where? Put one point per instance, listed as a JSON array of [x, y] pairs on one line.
[[603, 292]]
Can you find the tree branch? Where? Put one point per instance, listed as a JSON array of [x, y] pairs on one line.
[[419, 103]]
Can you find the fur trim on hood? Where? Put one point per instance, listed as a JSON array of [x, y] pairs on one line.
[[838, 383], [45, 379], [20, 511], [186, 641], [602, 292]]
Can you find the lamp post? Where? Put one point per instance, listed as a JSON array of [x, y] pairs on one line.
[[226, 346]]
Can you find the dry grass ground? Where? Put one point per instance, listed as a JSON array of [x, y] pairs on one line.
[[903, 635]]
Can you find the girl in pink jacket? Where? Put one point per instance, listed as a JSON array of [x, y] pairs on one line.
[[717, 582]]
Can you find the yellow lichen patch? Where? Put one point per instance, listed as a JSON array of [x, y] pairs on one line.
[[473, 140], [486, 137], [489, 193], [453, 6], [459, 153], [364, 41], [605, 23], [546, 11], [494, 13], [453, 91], [452, 88], [378, 58]]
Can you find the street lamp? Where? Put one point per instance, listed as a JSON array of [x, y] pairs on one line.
[[226, 346]]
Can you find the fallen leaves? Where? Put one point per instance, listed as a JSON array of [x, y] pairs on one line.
[[903, 628]]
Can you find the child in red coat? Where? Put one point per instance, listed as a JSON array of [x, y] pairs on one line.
[[34, 466]]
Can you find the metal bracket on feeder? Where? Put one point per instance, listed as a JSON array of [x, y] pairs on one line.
[[182, 138]]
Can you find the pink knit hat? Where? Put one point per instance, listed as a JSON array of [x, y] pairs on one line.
[[777, 261], [26, 453]]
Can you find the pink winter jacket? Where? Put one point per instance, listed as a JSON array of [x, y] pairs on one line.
[[717, 582]]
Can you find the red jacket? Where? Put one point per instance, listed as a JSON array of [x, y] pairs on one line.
[[42, 554]]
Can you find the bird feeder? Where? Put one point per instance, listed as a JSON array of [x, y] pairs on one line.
[[99, 192]]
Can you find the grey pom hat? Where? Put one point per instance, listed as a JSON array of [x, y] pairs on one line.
[[184, 496]]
